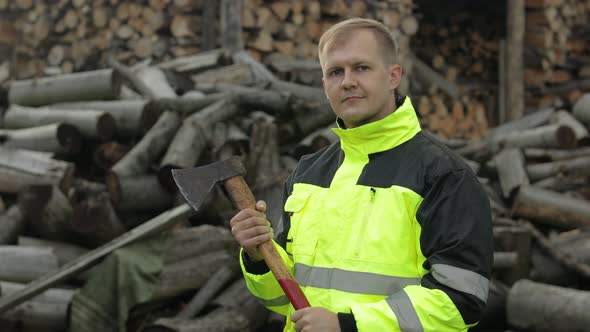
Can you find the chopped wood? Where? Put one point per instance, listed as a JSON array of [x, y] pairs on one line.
[[12, 224], [581, 109], [551, 208], [528, 300], [57, 138], [91, 124], [577, 167], [511, 170], [21, 168], [23, 264], [91, 85]]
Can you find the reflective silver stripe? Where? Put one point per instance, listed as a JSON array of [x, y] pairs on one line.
[[351, 281], [407, 318], [462, 280], [281, 300]]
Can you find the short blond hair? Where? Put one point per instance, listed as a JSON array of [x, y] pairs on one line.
[[387, 41]]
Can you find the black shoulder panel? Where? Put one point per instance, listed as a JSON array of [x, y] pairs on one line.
[[412, 165], [319, 168]]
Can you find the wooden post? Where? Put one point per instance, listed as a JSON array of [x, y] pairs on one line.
[[231, 25], [514, 52], [502, 82]]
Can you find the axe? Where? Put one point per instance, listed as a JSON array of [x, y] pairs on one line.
[[196, 183]]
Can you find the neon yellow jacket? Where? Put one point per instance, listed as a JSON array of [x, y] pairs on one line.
[[387, 228]]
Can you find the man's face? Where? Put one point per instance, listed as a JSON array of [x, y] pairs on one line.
[[356, 80]]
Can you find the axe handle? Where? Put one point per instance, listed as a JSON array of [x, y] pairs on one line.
[[242, 198]]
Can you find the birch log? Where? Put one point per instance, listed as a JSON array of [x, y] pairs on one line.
[[24, 264], [20, 168], [511, 170], [90, 123], [101, 84], [12, 224], [581, 109], [56, 138], [551, 208], [540, 307], [192, 138], [48, 212]]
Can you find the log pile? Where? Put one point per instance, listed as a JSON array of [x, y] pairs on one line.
[[73, 35], [556, 58], [81, 204]]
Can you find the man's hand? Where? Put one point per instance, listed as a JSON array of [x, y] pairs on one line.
[[250, 228], [314, 319]]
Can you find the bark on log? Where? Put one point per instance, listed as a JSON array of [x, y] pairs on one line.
[[37, 316], [217, 281], [90, 123], [54, 295], [192, 138], [128, 114], [24, 264], [56, 138], [20, 168], [190, 274], [504, 260], [101, 84], [197, 62], [511, 170], [190, 242], [549, 136], [151, 146], [48, 212], [12, 224], [581, 109], [576, 167], [184, 105], [529, 121], [562, 309], [561, 183], [551, 208], [138, 193], [554, 154], [220, 320], [65, 252]]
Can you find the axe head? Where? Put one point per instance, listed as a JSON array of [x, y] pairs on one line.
[[196, 183]]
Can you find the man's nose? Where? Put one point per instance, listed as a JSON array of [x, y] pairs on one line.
[[348, 81]]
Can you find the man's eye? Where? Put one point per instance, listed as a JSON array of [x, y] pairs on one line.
[[362, 68], [335, 72]]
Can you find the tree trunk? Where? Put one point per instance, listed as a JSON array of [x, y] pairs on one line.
[[190, 274], [92, 124], [20, 168], [24, 264], [56, 138], [581, 109], [561, 309], [138, 193], [126, 113], [551, 208], [515, 64], [12, 224], [101, 84], [578, 166], [554, 154], [511, 170], [550, 136], [48, 212], [192, 138]]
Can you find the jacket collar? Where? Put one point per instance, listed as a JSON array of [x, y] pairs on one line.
[[385, 134]]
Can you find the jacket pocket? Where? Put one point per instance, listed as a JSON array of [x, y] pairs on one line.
[[300, 239]]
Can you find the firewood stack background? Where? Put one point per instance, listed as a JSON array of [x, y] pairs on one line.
[[101, 99]]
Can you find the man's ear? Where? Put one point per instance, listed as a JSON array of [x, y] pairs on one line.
[[324, 87], [395, 76]]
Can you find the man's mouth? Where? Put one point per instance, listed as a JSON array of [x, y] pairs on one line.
[[351, 98]]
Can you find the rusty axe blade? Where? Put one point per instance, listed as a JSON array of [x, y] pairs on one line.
[[196, 183]]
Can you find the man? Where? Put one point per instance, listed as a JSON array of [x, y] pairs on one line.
[[385, 230]]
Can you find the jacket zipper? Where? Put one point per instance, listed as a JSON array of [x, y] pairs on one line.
[[359, 241]]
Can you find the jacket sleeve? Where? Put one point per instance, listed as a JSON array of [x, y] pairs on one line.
[[456, 240], [259, 280]]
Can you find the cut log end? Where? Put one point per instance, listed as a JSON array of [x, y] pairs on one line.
[[113, 186], [69, 138], [566, 137], [106, 127], [165, 177]]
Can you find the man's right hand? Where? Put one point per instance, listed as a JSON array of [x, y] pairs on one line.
[[250, 228]]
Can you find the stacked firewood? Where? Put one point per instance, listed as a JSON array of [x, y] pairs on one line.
[[85, 169], [556, 56], [74, 35], [455, 67]]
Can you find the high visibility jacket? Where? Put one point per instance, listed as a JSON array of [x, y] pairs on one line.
[[386, 227]]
